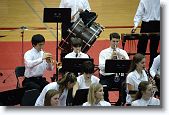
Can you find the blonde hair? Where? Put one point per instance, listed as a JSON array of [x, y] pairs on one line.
[[92, 91]]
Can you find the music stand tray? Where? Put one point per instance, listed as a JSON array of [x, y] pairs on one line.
[[52, 15], [117, 66], [74, 64]]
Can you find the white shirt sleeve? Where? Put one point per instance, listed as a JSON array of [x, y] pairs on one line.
[[155, 66], [29, 62], [139, 14]]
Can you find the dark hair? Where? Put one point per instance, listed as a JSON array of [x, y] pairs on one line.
[[50, 93], [38, 38], [67, 77], [76, 42], [142, 87], [88, 67], [136, 59], [114, 35]]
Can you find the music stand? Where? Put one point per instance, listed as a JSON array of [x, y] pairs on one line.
[[11, 97], [74, 64], [117, 66], [57, 15], [81, 96]]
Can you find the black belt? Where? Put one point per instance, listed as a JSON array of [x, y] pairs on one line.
[[33, 78]]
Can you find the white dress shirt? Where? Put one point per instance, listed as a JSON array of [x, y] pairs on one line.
[[101, 103], [75, 5], [134, 79], [155, 68], [141, 102], [148, 10], [74, 55], [82, 84], [106, 54], [34, 64], [53, 85]]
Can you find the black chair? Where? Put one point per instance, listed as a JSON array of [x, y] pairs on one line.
[[19, 72], [30, 97]]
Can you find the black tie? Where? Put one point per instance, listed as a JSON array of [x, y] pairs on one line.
[[76, 54]]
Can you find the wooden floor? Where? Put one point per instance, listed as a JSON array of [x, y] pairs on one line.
[[29, 13]]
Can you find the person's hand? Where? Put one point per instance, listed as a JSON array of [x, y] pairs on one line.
[[47, 55], [73, 17], [133, 30], [80, 10]]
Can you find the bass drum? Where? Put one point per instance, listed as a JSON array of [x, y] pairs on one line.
[[88, 35]]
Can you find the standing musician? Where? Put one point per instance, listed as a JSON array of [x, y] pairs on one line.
[[36, 62], [76, 6], [113, 52], [149, 12]]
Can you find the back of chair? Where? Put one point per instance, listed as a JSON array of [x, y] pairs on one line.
[[29, 97], [19, 72]]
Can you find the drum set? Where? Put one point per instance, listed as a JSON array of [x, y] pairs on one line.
[[87, 34]]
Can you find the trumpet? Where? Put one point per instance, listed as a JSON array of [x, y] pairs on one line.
[[114, 54]]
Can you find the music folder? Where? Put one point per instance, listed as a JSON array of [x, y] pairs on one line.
[[117, 66]]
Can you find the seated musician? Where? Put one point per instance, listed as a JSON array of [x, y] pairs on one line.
[[136, 74], [145, 95], [36, 62], [87, 78], [76, 45], [114, 53], [77, 6]]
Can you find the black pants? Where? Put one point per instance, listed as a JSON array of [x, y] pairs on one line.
[[35, 83], [149, 27]]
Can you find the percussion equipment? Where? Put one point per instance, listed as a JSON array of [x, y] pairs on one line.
[[88, 35]]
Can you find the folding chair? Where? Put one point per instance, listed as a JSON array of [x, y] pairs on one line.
[[19, 72]]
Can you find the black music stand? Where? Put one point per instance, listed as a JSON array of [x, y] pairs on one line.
[[11, 97], [81, 96], [117, 66], [74, 64], [57, 15]]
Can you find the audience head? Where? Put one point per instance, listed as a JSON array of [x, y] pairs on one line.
[[144, 88], [52, 98], [138, 62], [38, 41], [95, 93], [67, 81], [114, 40]]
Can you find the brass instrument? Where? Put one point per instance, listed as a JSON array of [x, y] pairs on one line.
[[115, 57], [114, 54]]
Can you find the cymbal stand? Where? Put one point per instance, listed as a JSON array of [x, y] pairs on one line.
[[23, 28]]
